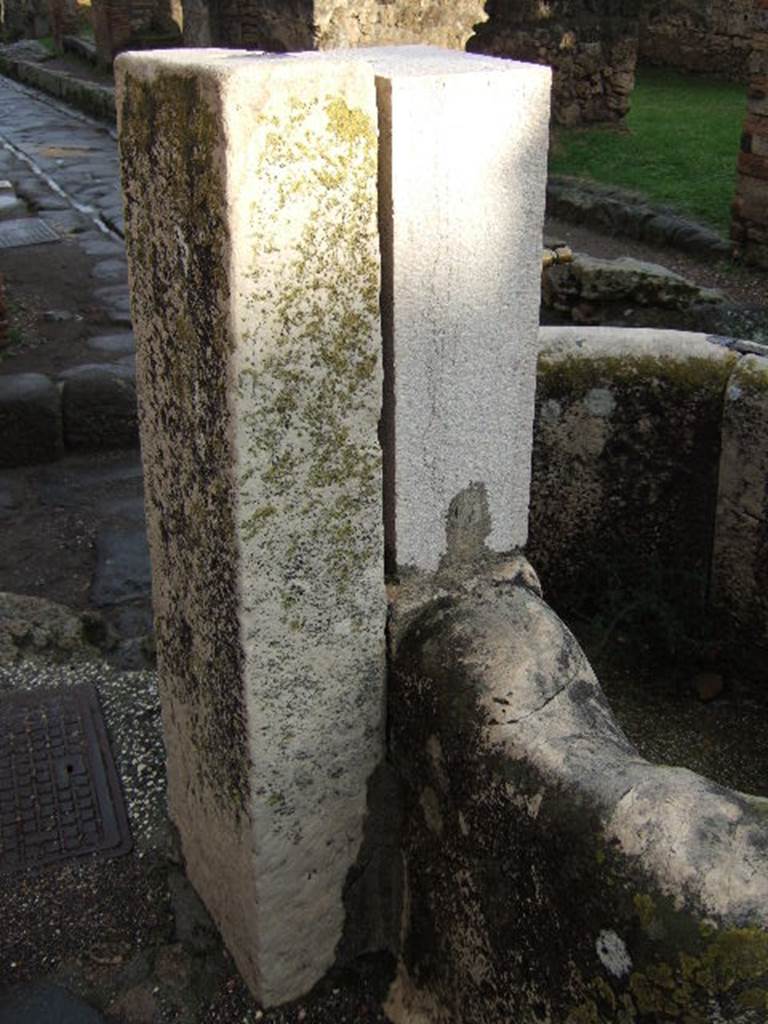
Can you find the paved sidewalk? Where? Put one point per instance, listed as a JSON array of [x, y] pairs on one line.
[[77, 153]]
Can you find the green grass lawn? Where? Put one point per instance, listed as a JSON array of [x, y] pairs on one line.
[[679, 145]]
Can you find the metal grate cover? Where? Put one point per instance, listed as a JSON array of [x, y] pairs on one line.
[[59, 790], [26, 231]]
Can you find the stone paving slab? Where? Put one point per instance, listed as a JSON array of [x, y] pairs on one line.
[[35, 1004], [78, 153]]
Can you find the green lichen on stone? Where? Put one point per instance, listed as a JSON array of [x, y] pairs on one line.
[[575, 375], [313, 366], [733, 965], [646, 910], [752, 377]]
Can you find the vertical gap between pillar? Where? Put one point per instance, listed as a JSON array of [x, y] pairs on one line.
[[386, 243]]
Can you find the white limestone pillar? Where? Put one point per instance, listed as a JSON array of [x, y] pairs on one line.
[[250, 193], [463, 168], [251, 211]]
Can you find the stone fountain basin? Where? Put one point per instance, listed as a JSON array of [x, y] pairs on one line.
[[552, 873]]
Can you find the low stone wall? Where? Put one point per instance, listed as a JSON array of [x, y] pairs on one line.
[[740, 555], [593, 53], [749, 224], [551, 873], [709, 36], [90, 97], [648, 492]]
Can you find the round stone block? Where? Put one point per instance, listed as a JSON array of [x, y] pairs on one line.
[[30, 419], [99, 406]]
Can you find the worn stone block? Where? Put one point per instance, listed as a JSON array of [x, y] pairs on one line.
[[461, 234], [30, 419], [622, 418], [251, 216], [740, 554], [99, 407], [753, 164], [556, 875]]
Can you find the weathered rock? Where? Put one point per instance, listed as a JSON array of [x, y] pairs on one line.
[[630, 214], [115, 344], [740, 561], [625, 469], [123, 571], [30, 419], [136, 1005], [37, 629], [553, 874], [328, 24], [11, 206], [603, 284], [99, 407]]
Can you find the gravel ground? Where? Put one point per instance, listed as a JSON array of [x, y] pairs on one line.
[[128, 935]]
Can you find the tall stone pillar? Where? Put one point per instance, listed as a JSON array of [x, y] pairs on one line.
[[251, 217], [749, 224], [463, 164], [288, 220]]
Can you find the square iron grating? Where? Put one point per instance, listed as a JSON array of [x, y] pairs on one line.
[[59, 790], [26, 231]]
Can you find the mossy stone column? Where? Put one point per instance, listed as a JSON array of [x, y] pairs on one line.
[[251, 213]]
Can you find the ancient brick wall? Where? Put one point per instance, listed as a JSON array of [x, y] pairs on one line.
[[62, 15], [712, 36], [123, 24], [749, 226], [590, 44], [325, 24], [27, 19]]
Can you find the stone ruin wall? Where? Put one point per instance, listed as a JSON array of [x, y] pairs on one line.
[[285, 25], [591, 46], [120, 24], [711, 36], [749, 224], [24, 19]]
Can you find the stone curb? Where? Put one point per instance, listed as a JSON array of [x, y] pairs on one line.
[[86, 408], [81, 48], [91, 98], [630, 214], [92, 407]]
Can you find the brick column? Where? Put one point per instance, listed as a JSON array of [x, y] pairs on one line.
[[112, 31], [749, 224], [63, 20]]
